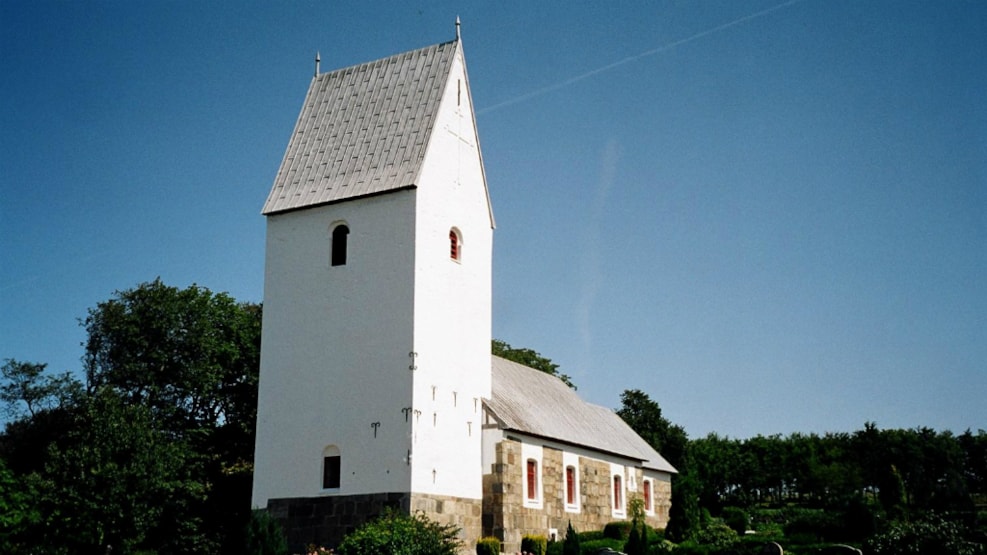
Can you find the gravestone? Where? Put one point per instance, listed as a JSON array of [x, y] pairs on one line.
[[772, 548]]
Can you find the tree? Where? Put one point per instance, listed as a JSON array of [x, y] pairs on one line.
[[644, 416], [27, 387], [191, 357], [529, 358], [118, 482], [18, 512]]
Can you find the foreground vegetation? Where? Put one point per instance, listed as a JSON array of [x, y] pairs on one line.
[[152, 453]]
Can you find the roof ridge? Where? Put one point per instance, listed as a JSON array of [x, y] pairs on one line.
[[385, 58]]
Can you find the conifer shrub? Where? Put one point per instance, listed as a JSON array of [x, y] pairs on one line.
[[635, 544], [264, 536], [571, 544], [534, 544], [488, 546]]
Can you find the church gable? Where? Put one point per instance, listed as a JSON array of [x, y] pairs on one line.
[[363, 130]]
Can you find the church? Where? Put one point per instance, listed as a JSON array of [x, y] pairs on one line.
[[377, 384]]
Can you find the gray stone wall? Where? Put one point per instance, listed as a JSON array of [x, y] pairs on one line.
[[324, 521], [506, 518]]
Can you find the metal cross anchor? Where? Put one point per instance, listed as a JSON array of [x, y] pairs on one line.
[[375, 425]]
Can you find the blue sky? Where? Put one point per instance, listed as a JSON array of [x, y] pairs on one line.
[[771, 217]]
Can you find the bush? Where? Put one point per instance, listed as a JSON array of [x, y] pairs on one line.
[[264, 536], [395, 533], [488, 546], [619, 530], [593, 546], [590, 536], [717, 535], [736, 518], [932, 534], [812, 526], [536, 545]]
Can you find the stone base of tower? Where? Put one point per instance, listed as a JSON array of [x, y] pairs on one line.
[[324, 521]]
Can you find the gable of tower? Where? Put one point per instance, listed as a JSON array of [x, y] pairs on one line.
[[363, 130]]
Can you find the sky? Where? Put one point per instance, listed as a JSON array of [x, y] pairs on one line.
[[771, 217]]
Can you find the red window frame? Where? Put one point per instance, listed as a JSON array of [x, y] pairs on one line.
[[453, 245], [570, 485], [617, 493], [647, 495], [532, 479]]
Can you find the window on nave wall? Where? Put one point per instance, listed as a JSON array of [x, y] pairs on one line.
[[570, 485], [532, 480]]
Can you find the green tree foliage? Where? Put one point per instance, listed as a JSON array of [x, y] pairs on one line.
[[155, 451], [644, 416], [18, 511], [117, 482], [529, 358], [189, 355], [27, 389], [395, 533]]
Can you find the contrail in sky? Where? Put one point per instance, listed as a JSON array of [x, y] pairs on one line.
[[629, 59]]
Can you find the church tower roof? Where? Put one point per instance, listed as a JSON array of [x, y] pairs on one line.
[[363, 130]]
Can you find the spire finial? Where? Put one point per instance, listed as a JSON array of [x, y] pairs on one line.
[[317, 60], [457, 27]]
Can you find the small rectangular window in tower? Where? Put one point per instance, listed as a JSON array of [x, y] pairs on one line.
[[330, 472]]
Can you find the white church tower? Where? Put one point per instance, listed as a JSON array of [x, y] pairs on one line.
[[375, 350]]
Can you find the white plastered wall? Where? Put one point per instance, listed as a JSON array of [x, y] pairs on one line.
[[452, 303], [334, 354]]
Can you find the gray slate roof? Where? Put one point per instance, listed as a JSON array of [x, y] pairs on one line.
[[363, 129], [535, 403]]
